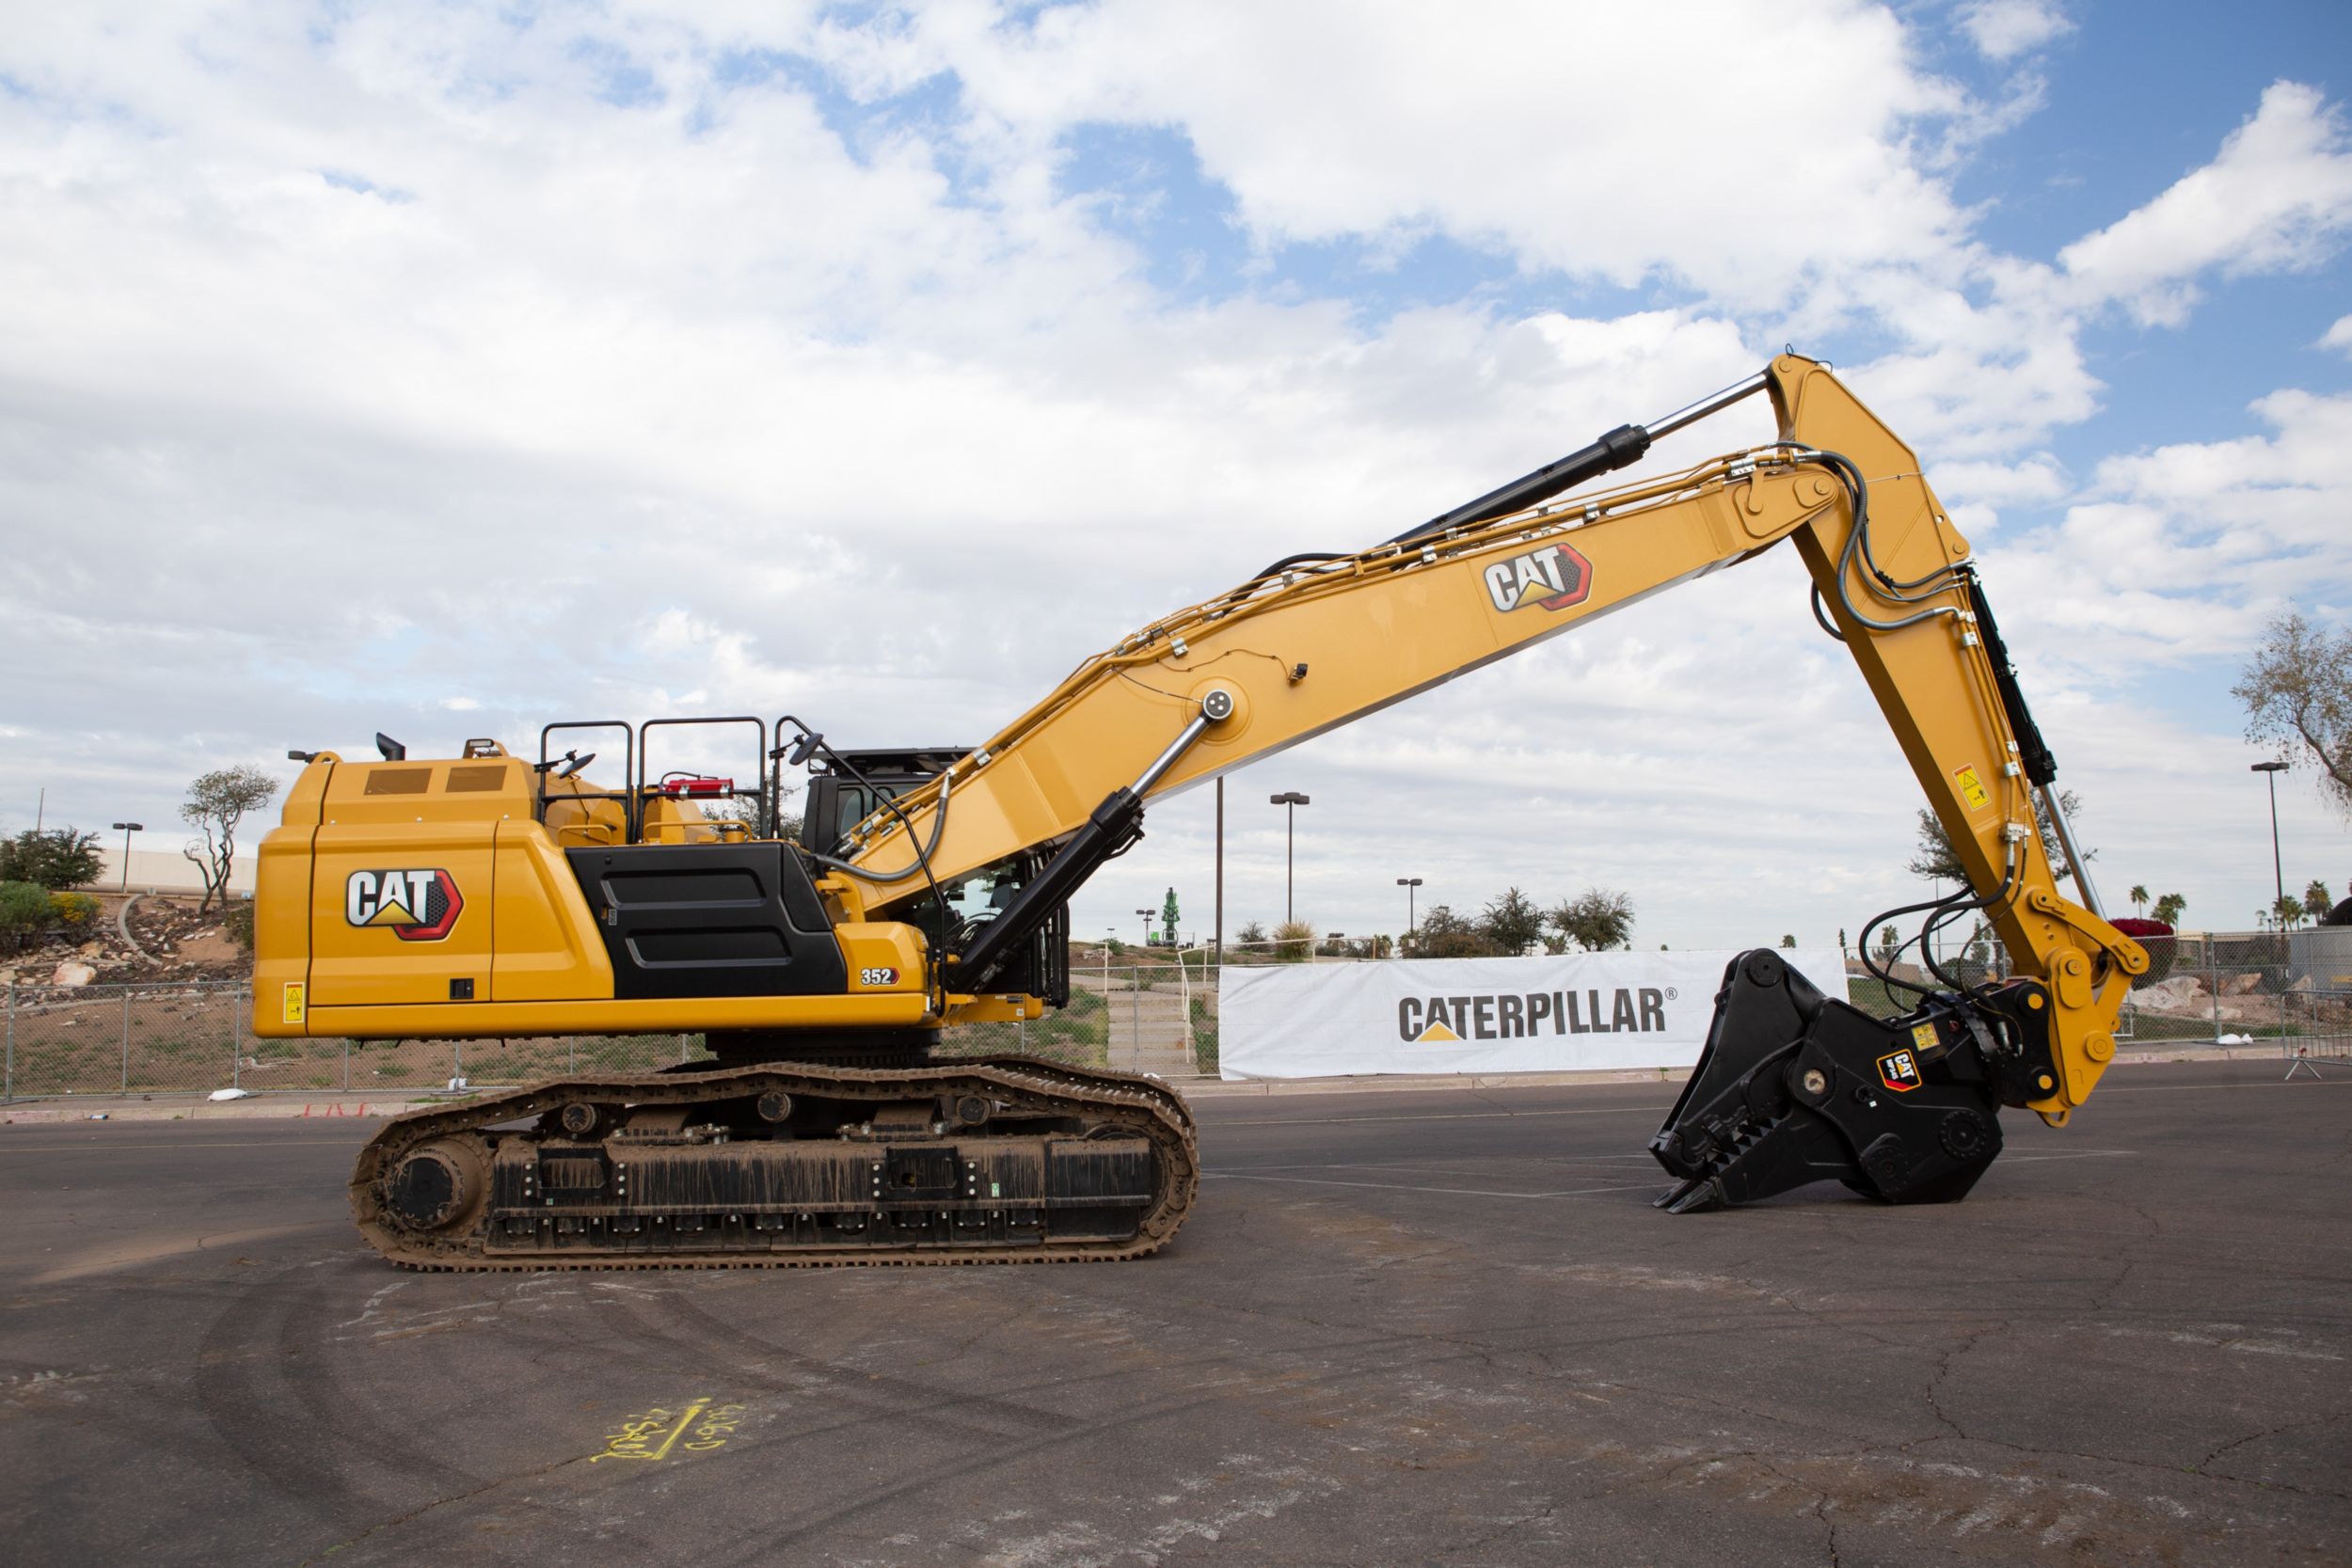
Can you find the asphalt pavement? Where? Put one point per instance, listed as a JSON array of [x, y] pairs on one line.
[[1400, 1328]]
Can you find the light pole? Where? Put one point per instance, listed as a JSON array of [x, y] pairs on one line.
[[1291, 799], [1147, 924], [1217, 941], [2278, 877], [128, 828], [1408, 884]]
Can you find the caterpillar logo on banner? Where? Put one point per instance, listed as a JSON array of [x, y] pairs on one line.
[[415, 905], [1510, 1016], [1552, 577]]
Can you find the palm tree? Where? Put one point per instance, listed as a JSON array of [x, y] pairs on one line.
[[2139, 896]]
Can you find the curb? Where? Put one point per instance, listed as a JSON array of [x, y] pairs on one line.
[[177, 1108]]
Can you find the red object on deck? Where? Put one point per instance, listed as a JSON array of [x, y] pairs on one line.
[[697, 786]]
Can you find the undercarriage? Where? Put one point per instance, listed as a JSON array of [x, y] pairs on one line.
[[1003, 1159]]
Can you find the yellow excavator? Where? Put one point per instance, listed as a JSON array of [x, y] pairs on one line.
[[487, 896]]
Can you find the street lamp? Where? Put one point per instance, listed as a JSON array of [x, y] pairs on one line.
[[1147, 924], [2278, 877], [127, 829], [1408, 884], [1291, 799]]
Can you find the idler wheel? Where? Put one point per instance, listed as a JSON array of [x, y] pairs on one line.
[[775, 1105], [434, 1187], [580, 1118]]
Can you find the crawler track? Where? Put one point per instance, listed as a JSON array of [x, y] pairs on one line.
[[1080, 1165]]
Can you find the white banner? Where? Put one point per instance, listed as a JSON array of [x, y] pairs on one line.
[[1569, 1013]]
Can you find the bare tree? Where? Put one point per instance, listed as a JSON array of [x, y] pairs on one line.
[[216, 803], [2297, 693]]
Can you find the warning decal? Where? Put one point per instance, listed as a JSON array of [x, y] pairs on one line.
[[293, 1008], [1972, 788]]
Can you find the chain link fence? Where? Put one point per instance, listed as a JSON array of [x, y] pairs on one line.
[[198, 1038], [1142, 1018], [2291, 988]]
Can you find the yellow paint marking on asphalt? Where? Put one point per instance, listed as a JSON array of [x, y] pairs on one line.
[[650, 1437]]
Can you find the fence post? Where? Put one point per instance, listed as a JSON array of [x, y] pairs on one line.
[[9, 1092], [347, 1064], [1135, 1016], [126, 1039], [2213, 984], [237, 1050]]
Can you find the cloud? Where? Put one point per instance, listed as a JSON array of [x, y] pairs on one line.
[[2277, 199], [1327, 120], [780, 360], [2004, 29], [2337, 337]]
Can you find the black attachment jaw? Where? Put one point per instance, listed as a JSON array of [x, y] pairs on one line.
[[1795, 1087]]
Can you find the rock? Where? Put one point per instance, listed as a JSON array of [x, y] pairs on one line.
[[73, 974], [2243, 985], [2180, 995]]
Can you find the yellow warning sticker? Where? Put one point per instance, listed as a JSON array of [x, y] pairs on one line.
[[1972, 788], [293, 1011], [1923, 1035]]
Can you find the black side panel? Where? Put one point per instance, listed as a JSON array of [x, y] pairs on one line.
[[711, 920]]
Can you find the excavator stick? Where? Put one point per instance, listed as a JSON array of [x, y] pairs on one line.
[[1794, 1087]]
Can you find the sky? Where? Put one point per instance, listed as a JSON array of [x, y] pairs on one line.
[[452, 369]]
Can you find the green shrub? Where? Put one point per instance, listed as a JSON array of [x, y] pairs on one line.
[[238, 923], [1295, 942], [59, 858], [24, 913]]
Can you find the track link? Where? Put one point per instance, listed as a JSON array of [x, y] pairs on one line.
[[1105, 1104]]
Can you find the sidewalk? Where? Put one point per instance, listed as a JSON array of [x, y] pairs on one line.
[[177, 1107]]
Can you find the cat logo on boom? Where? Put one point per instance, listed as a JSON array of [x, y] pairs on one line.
[[415, 905], [1553, 578]]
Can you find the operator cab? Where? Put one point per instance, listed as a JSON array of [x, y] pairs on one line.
[[702, 885]]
